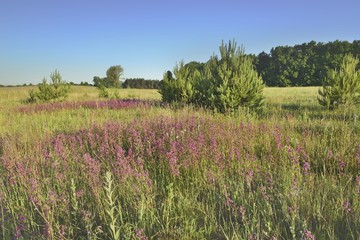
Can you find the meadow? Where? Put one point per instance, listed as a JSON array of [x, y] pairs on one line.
[[92, 168]]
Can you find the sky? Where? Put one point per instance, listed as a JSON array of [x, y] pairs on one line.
[[82, 39]]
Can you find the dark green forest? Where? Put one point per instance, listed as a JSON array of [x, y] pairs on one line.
[[305, 64], [141, 83]]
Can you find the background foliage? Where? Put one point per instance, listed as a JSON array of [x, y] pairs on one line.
[[303, 65]]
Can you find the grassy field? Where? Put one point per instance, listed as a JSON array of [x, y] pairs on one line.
[[92, 168]]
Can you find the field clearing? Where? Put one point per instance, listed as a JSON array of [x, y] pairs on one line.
[[14, 95], [92, 168]]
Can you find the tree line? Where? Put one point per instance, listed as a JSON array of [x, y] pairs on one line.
[[304, 64], [141, 83], [112, 79]]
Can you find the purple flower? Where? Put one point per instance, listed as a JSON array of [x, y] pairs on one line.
[[242, 212], [308, 235], [173, 159], [93, 168], [330, 154], [306, 167], [347, 207], [358, 185], [357, 154], [21, 225], [342, 164], [140, 235], [123, 169]]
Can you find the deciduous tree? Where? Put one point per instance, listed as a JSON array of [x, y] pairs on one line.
[[113, 76]]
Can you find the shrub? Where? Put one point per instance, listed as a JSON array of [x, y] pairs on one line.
[[103, 93], [342, 86], [224, 84], [231, 81], [181, 88], [58, 89]]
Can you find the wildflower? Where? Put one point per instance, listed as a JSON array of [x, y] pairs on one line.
[[229, 202], [242, 212], [342, 164], [52, 197], [140, 235], [264, 193], [124, 168], [306, 167], [330, 154], [249, 175], [347, 207], [308, 235], [20, 226], [358, 184], [173, 159], [357, 154], [92, 164], [277, 138], [210, 177], [252, 237]]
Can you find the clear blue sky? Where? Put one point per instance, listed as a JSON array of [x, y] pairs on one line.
[[83, 38]]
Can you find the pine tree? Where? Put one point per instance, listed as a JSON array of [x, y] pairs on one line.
[[342, 86], [224, 84], [57, 89], [232, 80], [179, 88]]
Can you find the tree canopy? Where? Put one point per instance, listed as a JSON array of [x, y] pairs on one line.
[[112, 78], [306, 64], [141, 83]]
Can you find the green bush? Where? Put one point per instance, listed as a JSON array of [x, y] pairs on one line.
[[224, 84], [231, 82], [57, 89], [103, 93], [181, 88], [342, 86]]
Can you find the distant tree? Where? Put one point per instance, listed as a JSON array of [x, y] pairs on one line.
[[113, 76], [141, 83], [85, 83], [99, 81], [342, 86]]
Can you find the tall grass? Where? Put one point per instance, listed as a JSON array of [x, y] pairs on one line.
[[146, 172]]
